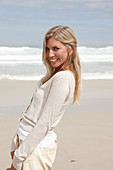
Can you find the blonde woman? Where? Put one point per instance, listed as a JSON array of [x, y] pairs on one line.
[[34, 145]]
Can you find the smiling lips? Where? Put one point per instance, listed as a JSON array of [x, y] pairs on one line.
[[53, 60]]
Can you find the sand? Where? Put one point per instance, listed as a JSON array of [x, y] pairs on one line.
[[85, 134]]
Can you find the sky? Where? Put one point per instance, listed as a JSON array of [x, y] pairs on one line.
[[25, 22]]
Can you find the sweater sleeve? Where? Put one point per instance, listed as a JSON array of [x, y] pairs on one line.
[[57, 95], [13, 148]]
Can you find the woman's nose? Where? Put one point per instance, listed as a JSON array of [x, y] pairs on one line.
[[51, 53]]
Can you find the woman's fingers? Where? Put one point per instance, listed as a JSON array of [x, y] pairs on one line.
[[12, 168], [12, 154]]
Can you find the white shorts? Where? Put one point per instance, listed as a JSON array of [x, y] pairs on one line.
[[40, 159]]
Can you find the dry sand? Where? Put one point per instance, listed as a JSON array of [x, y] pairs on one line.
[[85, 134]]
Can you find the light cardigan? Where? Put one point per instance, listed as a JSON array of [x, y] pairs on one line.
[[45, 111]]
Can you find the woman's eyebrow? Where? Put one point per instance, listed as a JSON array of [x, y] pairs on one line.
[[56, 46]]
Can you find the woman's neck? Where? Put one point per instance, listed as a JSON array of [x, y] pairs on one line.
[[60, 69]]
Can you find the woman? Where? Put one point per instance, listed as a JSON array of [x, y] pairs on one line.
[[34, 145]]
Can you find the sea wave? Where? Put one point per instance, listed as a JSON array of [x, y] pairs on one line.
[[96, 76], [8, 62], [22, 77], [25, 63], [85, 76]]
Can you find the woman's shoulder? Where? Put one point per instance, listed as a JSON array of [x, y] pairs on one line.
[[61, 77], [67, 74], [64, 79]]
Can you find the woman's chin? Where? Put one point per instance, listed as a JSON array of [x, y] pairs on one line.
[[55, 65]]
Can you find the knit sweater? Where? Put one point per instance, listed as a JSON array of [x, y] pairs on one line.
[[45, 111]]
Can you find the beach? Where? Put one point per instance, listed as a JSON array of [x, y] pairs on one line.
[[85, 134]]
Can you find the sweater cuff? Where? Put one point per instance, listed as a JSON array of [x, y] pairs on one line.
[[17, 163], [12, 148]]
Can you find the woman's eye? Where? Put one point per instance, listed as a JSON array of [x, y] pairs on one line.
[[47, 49], [56, 48]]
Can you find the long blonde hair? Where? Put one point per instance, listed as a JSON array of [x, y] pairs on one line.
[[65, 35]]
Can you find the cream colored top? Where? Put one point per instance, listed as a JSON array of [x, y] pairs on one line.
[[45, 111], [47, 141]]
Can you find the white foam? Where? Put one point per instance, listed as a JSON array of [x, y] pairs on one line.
[[11, 77], [91, 76], [8, 62]]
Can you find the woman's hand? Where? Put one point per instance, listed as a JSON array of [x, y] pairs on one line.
[[12, 168], [12, 154]]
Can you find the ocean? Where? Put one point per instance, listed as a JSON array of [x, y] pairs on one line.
[[25, 63]]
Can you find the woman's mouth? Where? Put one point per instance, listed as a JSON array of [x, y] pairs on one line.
[[53, 60]]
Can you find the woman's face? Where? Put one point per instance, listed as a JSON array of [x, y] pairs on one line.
[[56, 52]]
